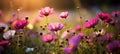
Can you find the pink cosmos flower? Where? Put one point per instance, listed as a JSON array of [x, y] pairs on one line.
[[48, 38], [46, 11], [105, 17], [4, 43], [64, 15], [20, 24], [91, 23], [55, 26], [78, 27], [116, 14]]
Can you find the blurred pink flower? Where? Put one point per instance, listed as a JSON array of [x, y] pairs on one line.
[[67, 34], [55, 26], [4, 43], [64, 14], [116, 14], [78, 27], [91, 23], [20, 24], [48, 38], [46, 11], [1, 13]]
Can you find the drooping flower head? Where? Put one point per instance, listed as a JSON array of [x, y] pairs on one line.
[[20, 24], [55, 26], [75, 40], [63, 14], [113, 46], [91, 23], [48, 38], [46, 11], [73, 43]]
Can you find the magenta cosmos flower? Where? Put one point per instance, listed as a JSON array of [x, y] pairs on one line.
[[20, 24], [73, 43], [55, 26], [78, 28], [4, 43], [113, 46], [46, 11], [48, 38], [105, 17], [91, 23], [64, 15], [116, 14]]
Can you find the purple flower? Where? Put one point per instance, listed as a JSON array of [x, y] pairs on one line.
[[4, 43], [48, 38], [91, 23], [64, 14], [107, 37], [73, 43], [113, 46], [55, 26], [68, 50], [46, 11], [20, 24], [75, 40]]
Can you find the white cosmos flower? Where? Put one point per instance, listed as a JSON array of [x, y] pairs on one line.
[[9, 34]]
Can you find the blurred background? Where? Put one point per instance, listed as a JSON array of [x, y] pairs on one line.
[[87, 8]]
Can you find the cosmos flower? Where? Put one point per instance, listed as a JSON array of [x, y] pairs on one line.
[[20, 24], [63, 14], [9, 34], [55, 26], [48, 38], [107, 37], [4, 43], [105, 17], [113, 46], [73, 43], [78, 27], [116, 14], [68, 33], [46, 11], [91, 23], [75, 40], [68, 50]]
